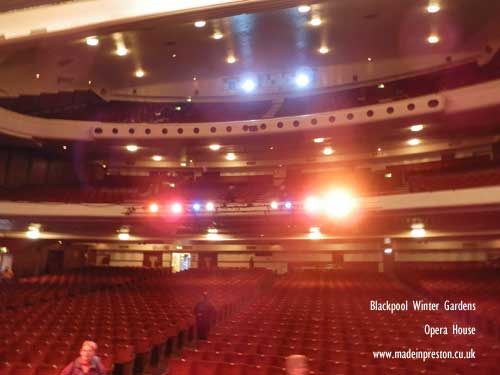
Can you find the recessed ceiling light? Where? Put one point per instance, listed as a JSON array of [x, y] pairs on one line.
[[37, 76], [157, 158], [210, 206], [388, 175], [414, 142], [433, 7], [65, 147], [369, 59], [319, 140], [324, 50], [230, 156], [92, 41], [178, 108], [174, 55], [248, 85], [214, 147], [274, 205], [139, 73], [315, 21], [327, 151], [304, 8], [433, 39], [217, 35], [231, 59], [121, 51], [302, 79], [416, 128], [379, 149], [194, 78], [90, 82], [200, 23], [104, 166], [132, 148], [381, 86]]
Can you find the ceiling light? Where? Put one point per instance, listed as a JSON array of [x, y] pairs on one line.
[[104, 166], [121, 51], [210, 206], [90, 82], [314, 233], [65, 147], [200, 23], [324, 50], [153, 207], [312, 204], [339, 203], [37, 76], [92, 41], [379, 149], [178, 247], [327, 151], [172, 185], [381, 86], [416, 128], [33, 232], [157, 158], [433, 39], [214, 147], [302, 79], [319, 140], [132, 148], [123, 236], [304, 8], [316, 21], [174, 55], [288, 205], [248, 85], [194, 78], [388, 251], [183, 164], [189, 99], [178, 108], [231, 59], [417, 230], [230, 156], [433, 7], [388, 175], [217, 35], [414, 142], [139, 73], [369, 59], [176, 208], [274, 205], [196, 207]]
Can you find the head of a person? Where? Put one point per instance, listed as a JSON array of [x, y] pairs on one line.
[[296, 364], [87, 351]]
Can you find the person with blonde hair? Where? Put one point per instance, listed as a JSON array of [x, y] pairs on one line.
[[87, 363], [296, 364]]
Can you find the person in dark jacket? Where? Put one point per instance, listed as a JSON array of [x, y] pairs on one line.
[[205, 315], [87, 363]]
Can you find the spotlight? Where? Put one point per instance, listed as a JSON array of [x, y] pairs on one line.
[[200, 23], [210, 206], [231, 59], [212, 230], [123, 236], [416, 128], [323, 50], [304, 8], [196, 207], [288, 205], [340, 203], [132, 148], [433, 39], [176, 208], [33, 232], [92, 41], [417, 230], [388, 251], [314, 233], [381, 86], [157, 158], [302, 79], [319, 140], [388, 175], [274, 205], [153, 207], [433, 7], [316, 21], [312, 204], [217, 35], [139, 73], [230, 156], [214, 147], [327, 151], [121, 51], [248, 85], [414, 142]]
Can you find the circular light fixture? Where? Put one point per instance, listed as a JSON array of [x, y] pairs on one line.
[[248, 85], [288, 205], [230, 156], [388, 175], [339, 203], [157, 158], [33, 232], [37, 76], [196, 207], [433, 39], [327, 151], [217, 35], [312, 204], [379, 149], [64, 147], [304, 8], [189, 99], [381, 86], [153, 207], [176, 208], [274, 205], [92, 41], [433, 7], [200, 23], [231, 59], [416, 128], [414, 142], [139, 73], [123, 236], [323, 50], [319, 140], [90, 82], [369, 59], [315, 21], [132, 148], [302, 79], [122, 51], [210, 206], [388, 251], [214, 147]]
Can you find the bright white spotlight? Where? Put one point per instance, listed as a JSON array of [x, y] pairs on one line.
[[123, 236], [312, 204], [314, 233], [196, 207], [274, 205], [316, 21], [230, 156], [132, 148], [157, 158], [433, 7], [231, 59], [388, 251], [121, 51], [319, 140], [33, 232], [288, 205], [153, 207], [248, 85], [176, 208], [200, 23], [327, 151], [92, 41], [414, 142], [139, 73], [324, 50], [302, 79], [433, 39], [217, 35], [214, 147], [340, 203], [416, 128], [417, 230], [210, 206], [304, 8]]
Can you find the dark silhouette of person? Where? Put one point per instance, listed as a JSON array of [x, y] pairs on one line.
[[205, 315]]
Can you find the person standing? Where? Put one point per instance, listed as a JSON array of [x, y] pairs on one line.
[[205, 315], [87, 363]]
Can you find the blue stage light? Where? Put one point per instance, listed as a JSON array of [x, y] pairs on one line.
[[196, 207], [288, 205]]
